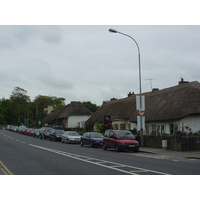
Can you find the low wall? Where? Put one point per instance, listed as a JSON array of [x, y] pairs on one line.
[[177, 142]]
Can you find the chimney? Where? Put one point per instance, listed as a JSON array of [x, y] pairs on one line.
[[155, 89], [130, 94], [182, 81], [113, 99]]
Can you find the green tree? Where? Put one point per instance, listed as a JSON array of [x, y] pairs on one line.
[[4, 110], [104, 102], [19, 105], [44, 101], [91, 106]]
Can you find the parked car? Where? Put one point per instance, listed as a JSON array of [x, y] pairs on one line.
[[36, 133], [23, 130], [56, 134], [30, 132], [71, 137], [92, 139], [11, 128], [120, 140], [20, 129], [27, 131], [8, 127], [15, 128], [44, 132]]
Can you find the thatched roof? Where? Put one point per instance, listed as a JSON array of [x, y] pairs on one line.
[[167, 104], [75, 108]]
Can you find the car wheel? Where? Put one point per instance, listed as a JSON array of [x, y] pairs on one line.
[[62, 141], [104, 147], [136, 151], [82, 144], [67, 141], [91, 145], [40, 136], [117, 148]]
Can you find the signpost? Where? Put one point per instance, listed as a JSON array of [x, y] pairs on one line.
[[140, 106]]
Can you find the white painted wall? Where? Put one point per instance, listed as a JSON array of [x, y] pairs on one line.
[[192, 122], [77, 121]]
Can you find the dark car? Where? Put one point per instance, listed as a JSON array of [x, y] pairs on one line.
[[56, 134], [45, 132], [120, 140], [36, 133], [92, 139]]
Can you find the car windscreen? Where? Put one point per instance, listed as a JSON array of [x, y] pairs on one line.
[[73, 134], [96, 135], [124, 134]]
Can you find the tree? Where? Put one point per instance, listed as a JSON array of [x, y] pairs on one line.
[[91, 106], [19, 105], [44, 101], [104, 102], [4, 111]]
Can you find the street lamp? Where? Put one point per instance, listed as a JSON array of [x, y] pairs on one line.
[[140, 82]]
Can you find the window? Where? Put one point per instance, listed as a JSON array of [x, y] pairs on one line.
[[107, 133], [162, 129], [115, 126], [111, 135], [122, 126], [173, 128]]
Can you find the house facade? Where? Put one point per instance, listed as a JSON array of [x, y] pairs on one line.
[[167, 111], [74, 115]]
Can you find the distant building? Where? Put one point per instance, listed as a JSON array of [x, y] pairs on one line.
[[73, 115], [48, 109]]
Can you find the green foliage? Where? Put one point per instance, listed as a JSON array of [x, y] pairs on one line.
[[19, 105], [104, 102], [98, 127], [91, 106], [19, 109], [2, 120], [42, 101]]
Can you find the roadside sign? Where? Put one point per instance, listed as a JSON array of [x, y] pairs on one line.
[[141, 112], [138, 107]]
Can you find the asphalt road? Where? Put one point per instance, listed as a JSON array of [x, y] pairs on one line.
[[24, 155]]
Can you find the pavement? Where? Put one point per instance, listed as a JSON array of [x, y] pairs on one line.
[[166, 152]]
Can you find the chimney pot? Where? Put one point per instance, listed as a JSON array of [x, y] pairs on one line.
[[155, 89]]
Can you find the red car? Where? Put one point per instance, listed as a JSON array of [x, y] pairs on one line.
[[120, 140], [30, 132]]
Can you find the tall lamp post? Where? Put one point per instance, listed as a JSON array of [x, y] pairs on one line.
[[140, 82]]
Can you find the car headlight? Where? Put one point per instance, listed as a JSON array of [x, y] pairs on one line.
[[120, 142]]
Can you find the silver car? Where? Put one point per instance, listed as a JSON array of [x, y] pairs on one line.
[[71, 137]]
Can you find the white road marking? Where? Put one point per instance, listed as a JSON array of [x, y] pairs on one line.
[[158, 157], [111, 165]]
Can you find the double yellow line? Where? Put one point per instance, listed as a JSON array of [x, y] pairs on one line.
[[4, 169]]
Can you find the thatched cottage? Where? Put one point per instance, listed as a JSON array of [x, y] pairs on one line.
[[73, 115], [167, 111]]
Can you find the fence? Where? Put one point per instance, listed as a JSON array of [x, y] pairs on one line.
[[176, 142]]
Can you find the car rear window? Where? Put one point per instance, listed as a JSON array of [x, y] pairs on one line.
[[124, 134]]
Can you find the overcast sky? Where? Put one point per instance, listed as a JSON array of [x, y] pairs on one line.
[[88, 63]]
